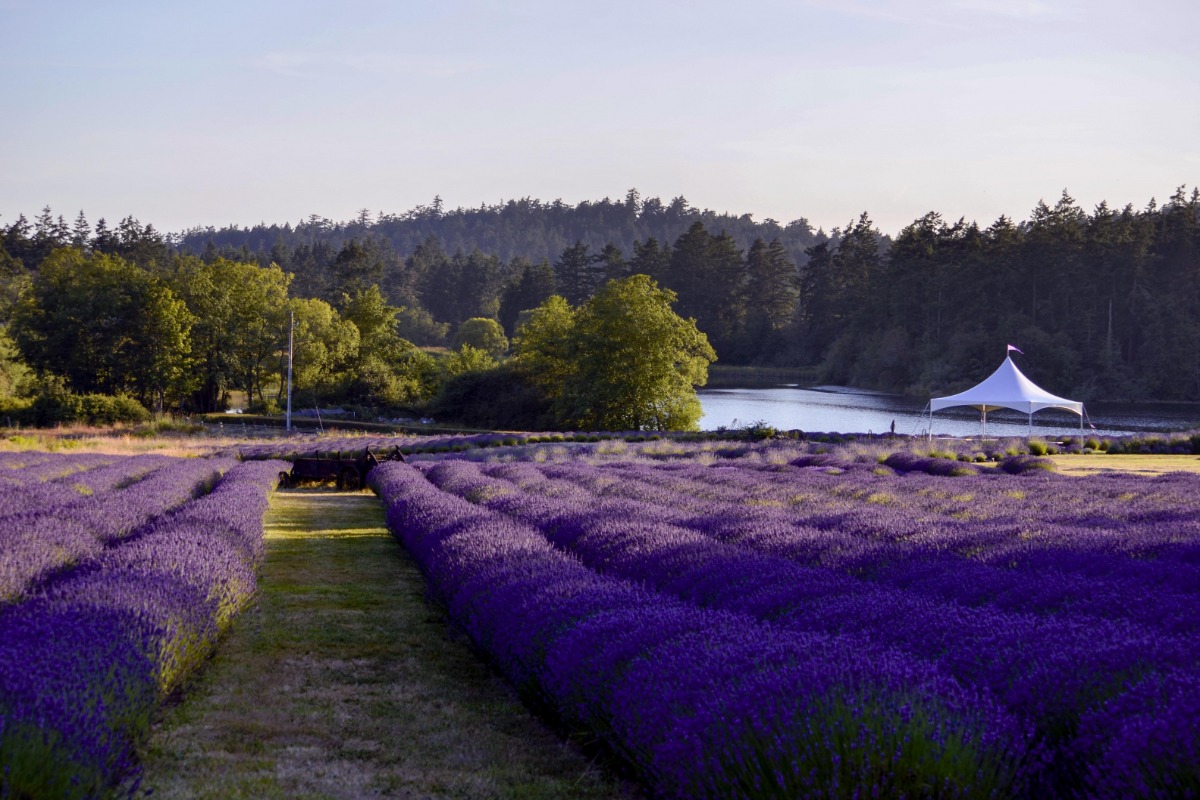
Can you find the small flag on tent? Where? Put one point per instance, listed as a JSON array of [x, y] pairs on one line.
[[1014, 347]]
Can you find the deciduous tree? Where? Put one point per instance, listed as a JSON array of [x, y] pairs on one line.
[[634, 362], [482, 334], [106, 326]]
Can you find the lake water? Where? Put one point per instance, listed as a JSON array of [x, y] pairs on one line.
[[853, 411]]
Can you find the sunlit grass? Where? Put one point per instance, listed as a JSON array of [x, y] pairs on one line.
[[1125, 462], [344, 682]]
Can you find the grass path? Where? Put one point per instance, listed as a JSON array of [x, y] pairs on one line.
[[1132, 463], [342, 682]]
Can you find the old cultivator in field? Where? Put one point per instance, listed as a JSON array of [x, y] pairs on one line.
[[349, 469]]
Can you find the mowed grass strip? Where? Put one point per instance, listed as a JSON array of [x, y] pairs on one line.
[[1132, 463], [343, 682]]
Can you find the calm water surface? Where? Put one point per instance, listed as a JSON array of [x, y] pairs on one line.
[[853, 411]]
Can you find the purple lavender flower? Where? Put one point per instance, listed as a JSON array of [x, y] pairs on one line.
[[85, 658]]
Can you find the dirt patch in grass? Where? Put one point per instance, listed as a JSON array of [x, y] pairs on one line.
[[1125, 462], [342, 682]]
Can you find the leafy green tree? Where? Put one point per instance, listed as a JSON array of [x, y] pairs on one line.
[[543, 343], [467, 359], [419, 327], [634, 363], [323, 346], [387, 370], [241, 325], [14, 374], [160, 355], [106, 326], [483, 334], [376, 324]]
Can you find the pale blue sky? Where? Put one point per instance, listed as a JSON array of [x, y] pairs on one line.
[[222, 112]]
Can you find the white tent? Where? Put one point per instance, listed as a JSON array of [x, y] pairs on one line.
[[1007, 387]]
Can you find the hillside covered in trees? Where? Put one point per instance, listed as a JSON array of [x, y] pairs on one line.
[[1106, 302]]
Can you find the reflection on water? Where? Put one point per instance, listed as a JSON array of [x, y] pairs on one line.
[[850, 411]]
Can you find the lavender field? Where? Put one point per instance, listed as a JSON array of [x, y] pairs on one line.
[[117, 575], [766, 621], [723, 619]]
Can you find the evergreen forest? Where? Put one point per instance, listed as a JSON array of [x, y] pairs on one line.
[[1105, 303]]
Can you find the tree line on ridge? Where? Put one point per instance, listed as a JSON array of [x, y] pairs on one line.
[[1106, 304]]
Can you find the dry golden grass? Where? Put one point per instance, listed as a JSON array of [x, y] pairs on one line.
[[1125, 462], [114, 441], [186, 441], [343, 682]]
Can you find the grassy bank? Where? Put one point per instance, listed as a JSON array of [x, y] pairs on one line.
[[344, 683], [1135, 464]]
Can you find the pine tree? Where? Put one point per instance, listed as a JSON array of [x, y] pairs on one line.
[[575, 273]]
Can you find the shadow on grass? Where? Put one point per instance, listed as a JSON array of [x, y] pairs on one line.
[[343, 682]]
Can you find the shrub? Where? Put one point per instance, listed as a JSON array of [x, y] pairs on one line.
[[498, 398], [61, 408], [949, 469], [906, 462], [759, 431], [270, 407], [817, 460], [1037, 447], [1020, 464]]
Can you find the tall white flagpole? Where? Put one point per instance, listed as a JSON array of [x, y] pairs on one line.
[[291, 334]]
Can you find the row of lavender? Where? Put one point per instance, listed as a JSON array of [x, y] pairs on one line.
[[738, 441], [61, 511], [1070, 603], [94, 643], [703, 702]]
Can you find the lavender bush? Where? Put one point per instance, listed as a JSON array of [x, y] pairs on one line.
[[85, 657], [704, 702], [1071, 605], [73, 524]]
